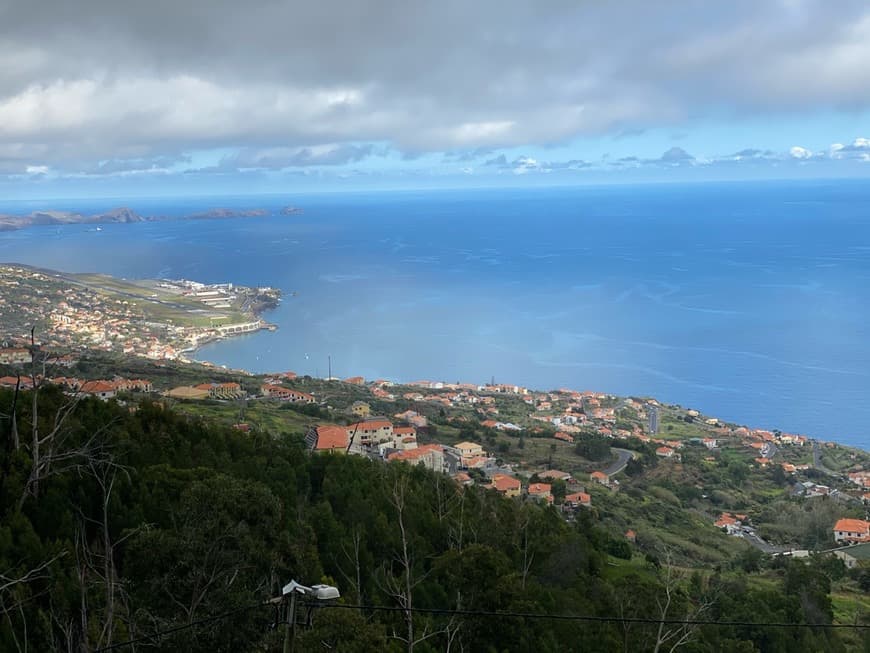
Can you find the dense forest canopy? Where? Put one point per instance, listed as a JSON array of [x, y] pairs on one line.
[[121, 522]]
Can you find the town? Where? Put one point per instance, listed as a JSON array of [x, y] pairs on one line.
[[159, 320], [573, 450]]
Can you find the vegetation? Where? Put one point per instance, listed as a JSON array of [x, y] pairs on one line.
[[125, 522]]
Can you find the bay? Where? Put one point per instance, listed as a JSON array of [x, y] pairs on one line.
[[749, 302]]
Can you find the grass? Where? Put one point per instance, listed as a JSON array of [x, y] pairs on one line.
[[260, 414]]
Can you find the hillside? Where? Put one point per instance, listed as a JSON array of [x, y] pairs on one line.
[[141, 517]]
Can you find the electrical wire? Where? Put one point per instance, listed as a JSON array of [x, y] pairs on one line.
[[576, 617], [175, 629], [490, 614]]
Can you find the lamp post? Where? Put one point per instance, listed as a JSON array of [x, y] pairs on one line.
[[294, 590]]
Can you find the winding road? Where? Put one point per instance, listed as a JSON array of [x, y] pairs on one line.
[[622, 458]]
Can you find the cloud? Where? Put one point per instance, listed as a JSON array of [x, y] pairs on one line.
[[677, 156], [499, 162], [282, 157], [801, 153], [108, 81]]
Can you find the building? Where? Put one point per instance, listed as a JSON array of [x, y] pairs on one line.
[[14, 355], [360, 409], [469, 449], [101, 389], [285, 394], [854, 556], [370, 431], [852, 530], [577, 499], [600, 477], [506, 485], [431, 456], [327, 438], [222, 390], [541, 492], [555, 475]]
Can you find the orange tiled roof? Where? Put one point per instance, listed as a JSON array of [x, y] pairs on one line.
[[503, 483], [368, 425], [853, 526], [578, 497], [331, 437]]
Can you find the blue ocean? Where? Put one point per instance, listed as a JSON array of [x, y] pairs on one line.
[[749, 302]]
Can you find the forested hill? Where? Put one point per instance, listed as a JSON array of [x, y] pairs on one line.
[[121, 523]]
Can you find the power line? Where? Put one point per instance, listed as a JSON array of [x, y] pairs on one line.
[[175, 629], [576, 617], [490, 614]]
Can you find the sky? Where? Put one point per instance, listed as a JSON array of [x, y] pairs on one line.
[[108, 98]]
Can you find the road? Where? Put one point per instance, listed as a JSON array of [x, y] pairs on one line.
[[622, 458], [764, 547]]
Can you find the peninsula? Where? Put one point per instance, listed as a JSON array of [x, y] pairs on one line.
[[155, 318]]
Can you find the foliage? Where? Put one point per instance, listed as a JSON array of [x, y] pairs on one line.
[[165, 520]]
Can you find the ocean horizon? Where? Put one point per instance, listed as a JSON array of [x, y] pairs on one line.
[[748, 302]]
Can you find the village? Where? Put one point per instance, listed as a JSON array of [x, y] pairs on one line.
[[565, 417]]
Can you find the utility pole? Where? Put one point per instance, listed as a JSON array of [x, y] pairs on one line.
[[329, 378], [312, 595], [290, 626]]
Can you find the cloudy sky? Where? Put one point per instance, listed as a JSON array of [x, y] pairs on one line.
[[167, 97]]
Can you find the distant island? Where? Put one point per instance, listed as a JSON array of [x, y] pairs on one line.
[[125, 215]]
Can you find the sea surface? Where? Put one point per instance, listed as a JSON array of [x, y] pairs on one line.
[[749, 302]]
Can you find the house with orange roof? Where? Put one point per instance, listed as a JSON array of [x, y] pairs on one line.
[[506, 485], [577, 499], [852, 530], [540, 492], [788, 468], [630, 535], [665, 452], [328, 438], [229, 390], [286, 394], [430, 456], [731, 524], [12, 381], [14, 355], [463, 478], [101, 389], [468, 450], [600, 477], [763, 461], [370, 431], [565, 437], [355, 380], [476, 462]]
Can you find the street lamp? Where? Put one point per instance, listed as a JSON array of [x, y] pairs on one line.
[[315, 592]]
